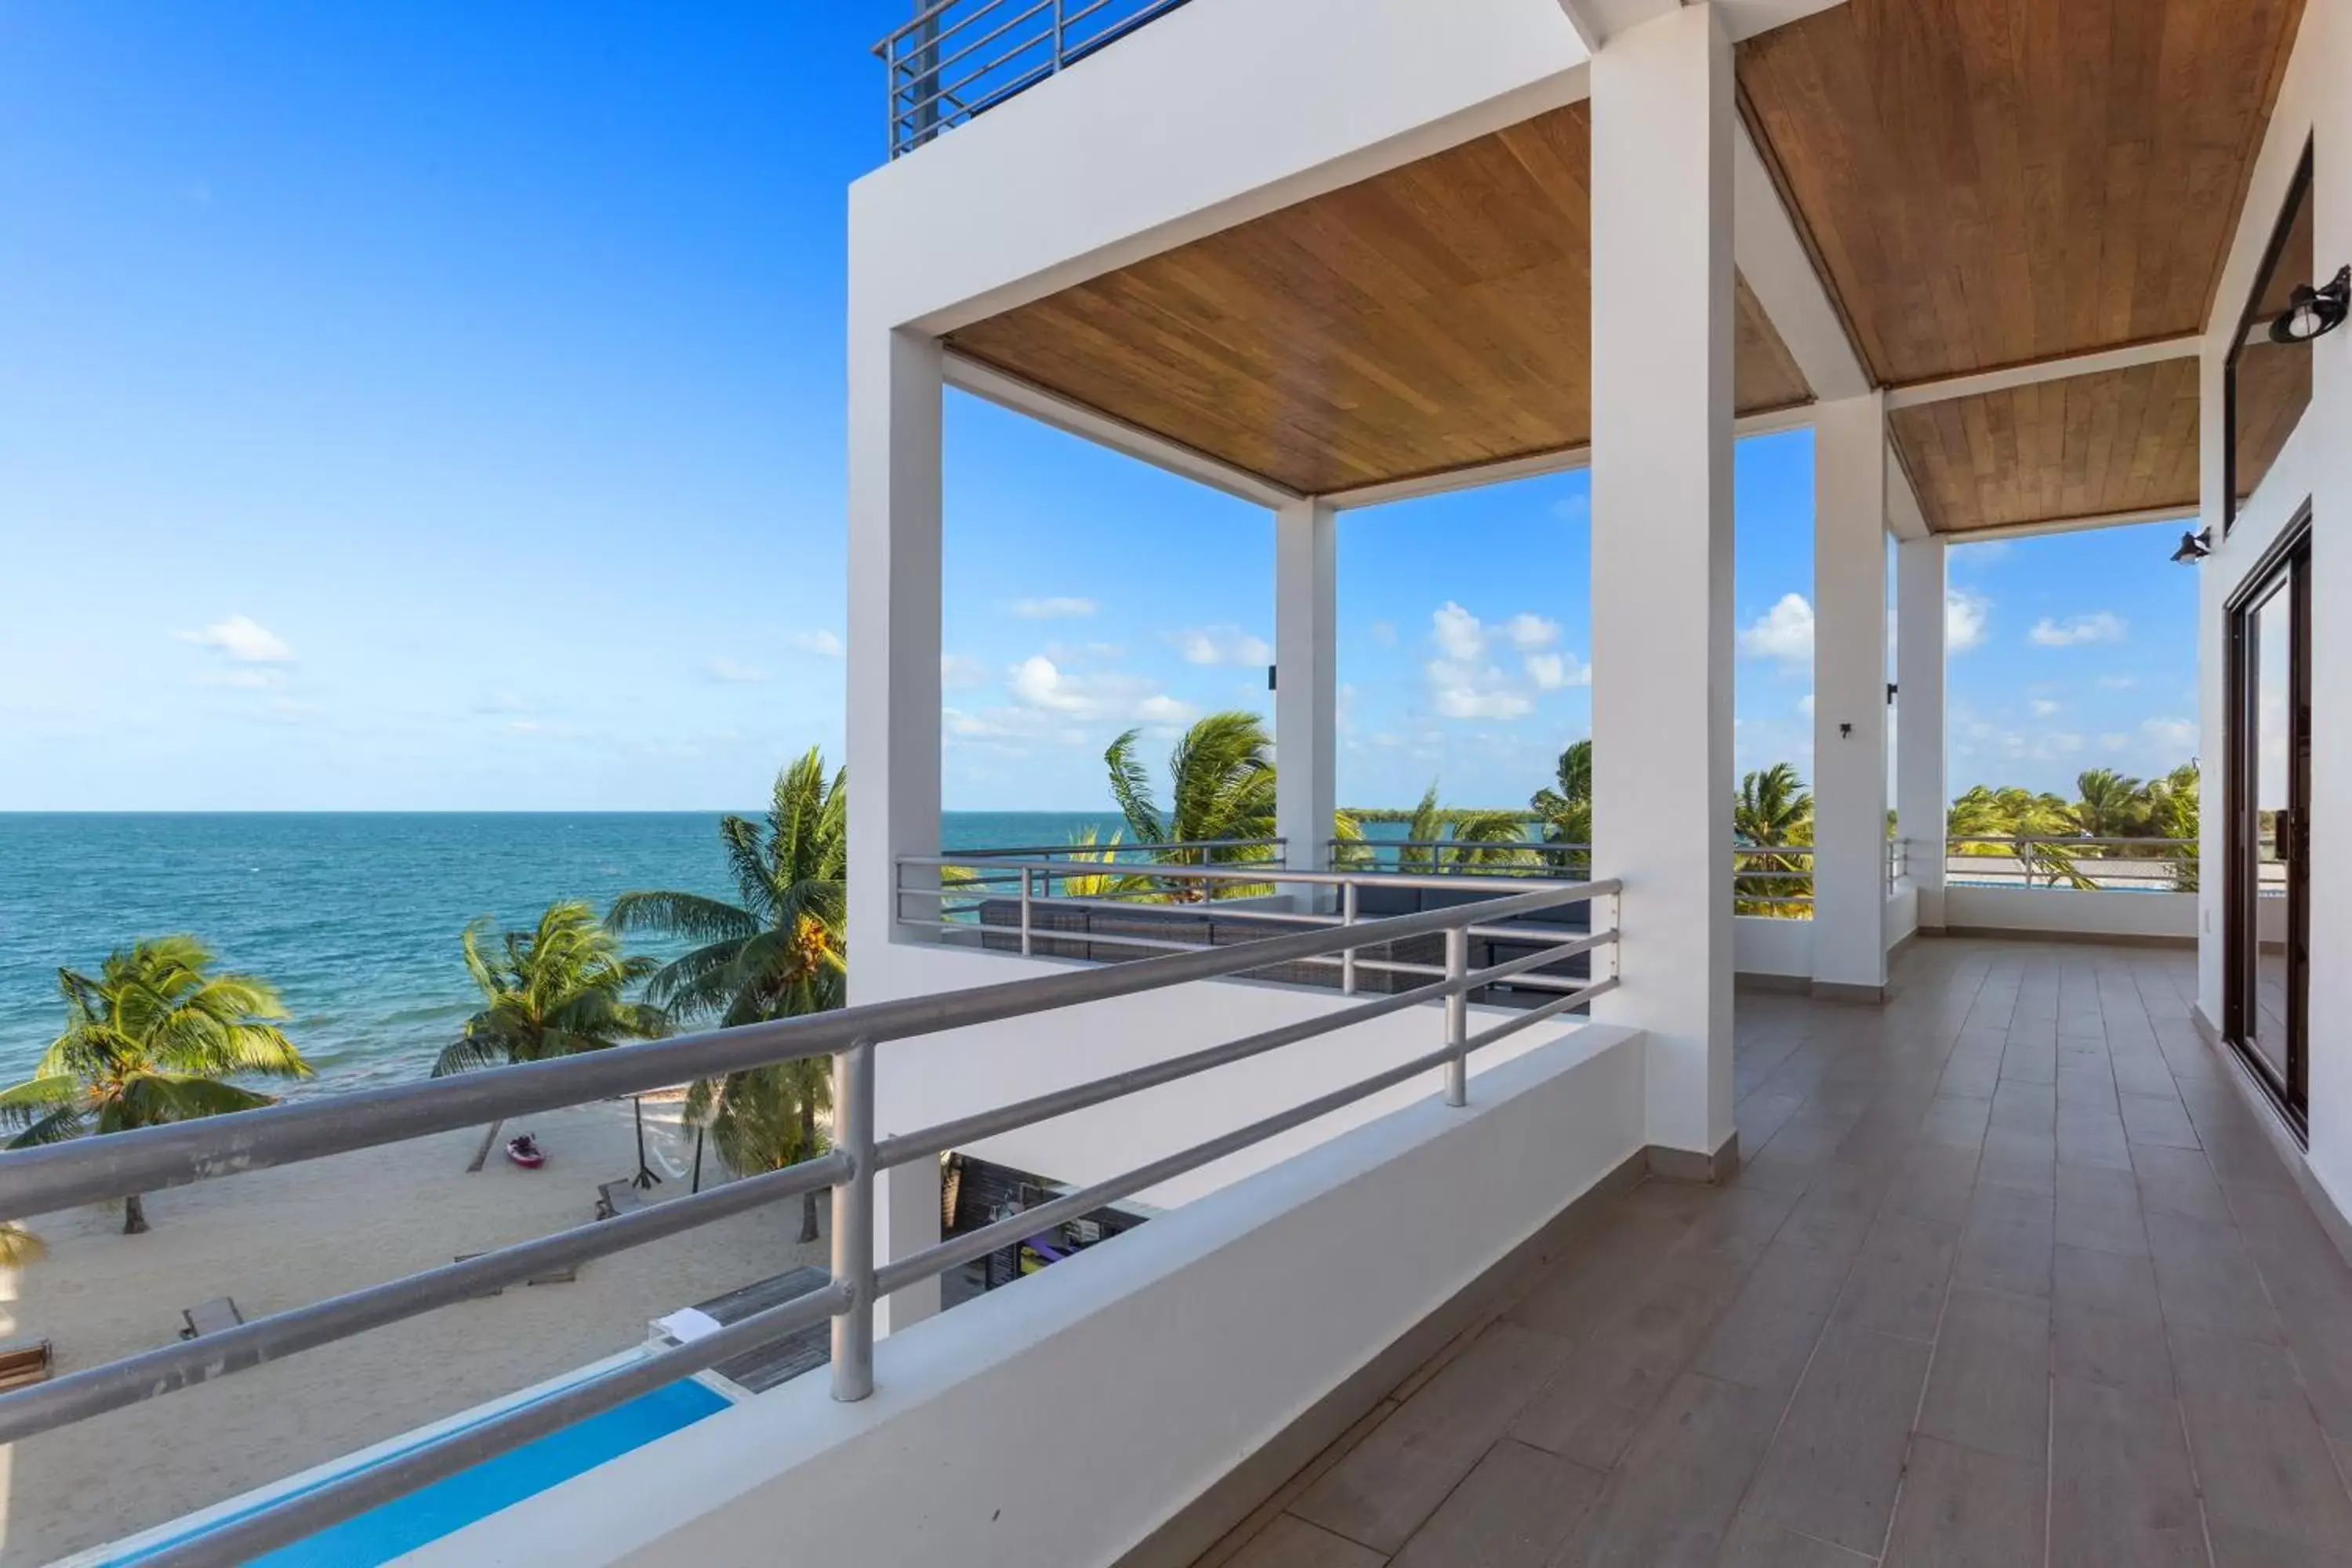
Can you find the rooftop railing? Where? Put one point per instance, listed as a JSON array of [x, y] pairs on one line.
[[1082, 901], [961, 57], [2088, 864], [88, 1169]]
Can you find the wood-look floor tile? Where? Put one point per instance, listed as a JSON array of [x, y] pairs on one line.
[[1833, 1468], [2104, 1347], [1380, 1493], [2266, 1463], [2178, 1181], [1989, 1387], [2008, 1241], [2121, 1494], [1899, 1281], [2115, 1282], [1757, 1544], [2243, 1546], [2099, 1209], [1292, 1542], [2205, 1279], [1514, 1511], [1963, 1506], [1669, 1502], [2210, 1365], [1835, 1213]]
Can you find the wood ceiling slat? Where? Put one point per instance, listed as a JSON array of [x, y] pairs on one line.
[[2087, 446], [1435, 317], [1990, 182]]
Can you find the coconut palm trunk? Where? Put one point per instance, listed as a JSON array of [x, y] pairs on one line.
[[482, 1155], [134, 1215]]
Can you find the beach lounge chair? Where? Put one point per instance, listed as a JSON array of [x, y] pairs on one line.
[[210, 1317], [22, 1361], [615, 1198]]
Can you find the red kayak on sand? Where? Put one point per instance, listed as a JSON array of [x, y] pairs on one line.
[[524, 1151]]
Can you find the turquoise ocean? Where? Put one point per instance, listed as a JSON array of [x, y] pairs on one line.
[[354, 917]]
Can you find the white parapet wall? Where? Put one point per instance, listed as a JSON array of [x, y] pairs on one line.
[[2066, 911], [1066, 1418], [921, 1082], [1770, 945]]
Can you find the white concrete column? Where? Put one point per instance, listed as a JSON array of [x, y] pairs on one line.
[[1850, 698], [1662, 638], [1922, 795], [1305, 695], [893, 728]]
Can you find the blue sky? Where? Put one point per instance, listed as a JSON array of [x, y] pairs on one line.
[[439, 407]]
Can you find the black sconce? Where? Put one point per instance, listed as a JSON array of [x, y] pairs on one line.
[[2194, 547], [2313, 312]]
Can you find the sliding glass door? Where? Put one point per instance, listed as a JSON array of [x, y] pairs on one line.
[[2269, 815]]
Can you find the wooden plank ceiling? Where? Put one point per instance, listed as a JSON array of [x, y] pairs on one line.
[[1431, 318], [1987, 184]]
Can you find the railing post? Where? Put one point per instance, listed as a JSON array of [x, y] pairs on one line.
[[852, 1222], [1024, 911], [1059, 26], [1458, 1017], [1348, 954]]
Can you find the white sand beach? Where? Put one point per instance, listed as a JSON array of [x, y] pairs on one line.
[[278, 1239]]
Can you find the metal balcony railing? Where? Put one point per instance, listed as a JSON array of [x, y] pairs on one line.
[[1078, 901], [88, 1169], [961, 57], [1773, 880], [2089, 865]]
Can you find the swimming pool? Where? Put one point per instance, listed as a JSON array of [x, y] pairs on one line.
[[406, 1523]]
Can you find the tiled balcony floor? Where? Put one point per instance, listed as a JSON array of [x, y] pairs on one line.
[[2011, 1277]]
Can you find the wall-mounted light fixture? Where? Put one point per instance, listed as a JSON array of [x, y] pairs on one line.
[[2313, 312], [2194, 547]]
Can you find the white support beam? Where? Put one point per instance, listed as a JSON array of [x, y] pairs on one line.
[[1305, 693], [895, 386], [1905, 518], [1598, 21], [1052, 408], [1945, 388], [2186, 514], [1850, 699], [1661, 634], [1920, 795], [1779, 273]]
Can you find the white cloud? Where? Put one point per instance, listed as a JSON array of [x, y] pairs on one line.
[[1784, 632], [1964, 619], [2113, 740], [241, 639], [821, 642], [1162, 708], [2042, 707], [1384, 633], [728, 670], [1048, 688], [1468, 691], [2171, 735], [1227, 645], [2119, 682], [1528, 632], [1053, 609], [960, 669], [1805, 704], [1551, 671], [2102, 626], [1459, 635]]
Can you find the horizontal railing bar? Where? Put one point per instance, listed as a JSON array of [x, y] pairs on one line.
[[2068, 842], [304, 1514], [1453, 844], [86, 1170], [1537, 1015], [78, 1395], [1257, 871], [908, 1146], [1045, 36], [929, 16], [988, 96], [1123, 847], [959, 1250]]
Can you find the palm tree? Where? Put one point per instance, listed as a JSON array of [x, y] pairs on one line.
[[1478, 837], [2108, 805], [1773, 808], [19, 1247], [2172, 811], [2034, 827], [1564, 807], [554, 991], [764, 1119], [781, 953], [150, 1040], [1221, 776]]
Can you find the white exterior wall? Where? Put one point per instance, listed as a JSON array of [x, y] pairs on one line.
[[1061, 1420], [1850, 694], [1765, 944], [2070, 911], [2317, 466], [1662, 125], [1921, 791]]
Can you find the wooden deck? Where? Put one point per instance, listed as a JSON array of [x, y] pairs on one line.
[[2011, 1277]]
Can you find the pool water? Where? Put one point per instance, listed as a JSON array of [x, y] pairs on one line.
[[406, 1523]]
